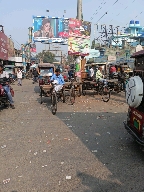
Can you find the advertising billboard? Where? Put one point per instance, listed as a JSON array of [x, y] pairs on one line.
[[52, 30], [79, 28], [3, 46], [78, 46], [79, 37]]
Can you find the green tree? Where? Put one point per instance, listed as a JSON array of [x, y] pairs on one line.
[[46, 56]]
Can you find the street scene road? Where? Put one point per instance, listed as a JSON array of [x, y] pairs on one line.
[[83, 148]]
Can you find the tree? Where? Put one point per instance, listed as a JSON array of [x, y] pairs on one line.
[[46, 56]]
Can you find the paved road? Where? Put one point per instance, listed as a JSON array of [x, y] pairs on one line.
[[84, 148]]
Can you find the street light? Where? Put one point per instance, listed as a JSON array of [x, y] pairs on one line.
[[47, 10]]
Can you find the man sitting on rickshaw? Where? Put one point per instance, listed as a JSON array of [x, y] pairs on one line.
[[99, 76], [58, 80]]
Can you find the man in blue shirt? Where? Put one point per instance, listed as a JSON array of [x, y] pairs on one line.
[[58, 79]]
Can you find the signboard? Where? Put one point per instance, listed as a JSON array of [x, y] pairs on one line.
[[54, 29], [79, 37], [11, 51], [111, 58], [78, 28], [3, 46], [33, 48], [78, 46]]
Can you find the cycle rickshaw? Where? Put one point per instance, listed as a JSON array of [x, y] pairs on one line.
[[46, 70]]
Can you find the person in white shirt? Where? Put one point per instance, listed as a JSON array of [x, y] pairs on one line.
[[19, 77], [91, 72]]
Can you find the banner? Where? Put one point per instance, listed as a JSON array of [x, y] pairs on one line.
[[48, 29], [79, 37], [78, 46], [33, 48], [79, 28], [3, 46], [11, 51]]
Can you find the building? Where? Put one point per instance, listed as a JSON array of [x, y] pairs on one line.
[[133, 35]]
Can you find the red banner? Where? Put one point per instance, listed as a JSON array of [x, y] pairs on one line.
[[3, 46]]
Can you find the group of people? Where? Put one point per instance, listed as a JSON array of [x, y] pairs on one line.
[[99, 75], [57, 78]]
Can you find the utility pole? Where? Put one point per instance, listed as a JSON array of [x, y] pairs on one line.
[[79, 10], [24, 49]]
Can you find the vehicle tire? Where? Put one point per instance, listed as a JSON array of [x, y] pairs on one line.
[[54, 104], [83, 90], [6, 105], [105, 93], [41, 92], [64, 96], [80, 91], [72, 96]]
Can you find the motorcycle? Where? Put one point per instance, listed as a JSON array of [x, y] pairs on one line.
[[12, 78], [3, 96]]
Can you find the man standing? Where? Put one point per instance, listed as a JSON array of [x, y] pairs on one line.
[[4, 74], [19, 76], [35, 74]]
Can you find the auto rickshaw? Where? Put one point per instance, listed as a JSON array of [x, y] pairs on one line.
[[10, 69], [135, 100]]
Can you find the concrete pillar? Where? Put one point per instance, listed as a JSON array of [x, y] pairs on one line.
[[79, 9]]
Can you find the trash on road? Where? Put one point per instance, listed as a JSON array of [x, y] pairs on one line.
[[94, 151], [6, 181], [68, 177], [3, 146]]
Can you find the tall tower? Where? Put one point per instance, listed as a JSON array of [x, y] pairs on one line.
[[79, 10]]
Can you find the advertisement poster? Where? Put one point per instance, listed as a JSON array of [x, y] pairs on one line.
[[79, 28], [33, 48], [50, 29], [78, 46], [79, 37], [3, 46]]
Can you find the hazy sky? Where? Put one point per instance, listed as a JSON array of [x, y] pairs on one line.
[[16, 15]]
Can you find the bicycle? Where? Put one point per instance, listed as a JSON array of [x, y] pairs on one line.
[[100, 87], [55, 97]]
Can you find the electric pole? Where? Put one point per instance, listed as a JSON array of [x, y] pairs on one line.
[[79, 10]]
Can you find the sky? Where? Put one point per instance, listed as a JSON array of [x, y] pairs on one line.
[[16, 15]]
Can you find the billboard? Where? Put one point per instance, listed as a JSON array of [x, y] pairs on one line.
[[79, 37], [52, 30], [78, 46], [79, 28], [3, 46]]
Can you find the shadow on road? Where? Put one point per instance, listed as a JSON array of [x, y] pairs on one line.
[[104, 135]]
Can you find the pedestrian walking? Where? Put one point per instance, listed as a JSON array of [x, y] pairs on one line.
[[19, 77]]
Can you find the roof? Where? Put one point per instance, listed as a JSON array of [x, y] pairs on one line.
[[46, 65], [138, 54]]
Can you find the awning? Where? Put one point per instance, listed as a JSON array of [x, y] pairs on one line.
[[138, 54]]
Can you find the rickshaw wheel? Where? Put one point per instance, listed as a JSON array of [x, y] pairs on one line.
[[63, 95], [72, 96], [54, 104], [105, 93], [80, 91]]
